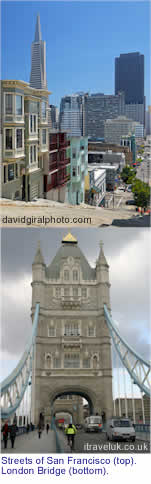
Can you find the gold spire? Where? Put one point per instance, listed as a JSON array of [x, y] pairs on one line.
[[69, 238]]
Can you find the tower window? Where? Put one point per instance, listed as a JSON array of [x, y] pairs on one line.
[[71, 329], [75, 275], [51, 332], [91, 331], [72, 360], [66, 275]]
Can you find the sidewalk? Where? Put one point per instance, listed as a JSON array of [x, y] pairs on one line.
[[30, 443]]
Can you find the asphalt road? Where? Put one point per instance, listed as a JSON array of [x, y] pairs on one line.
[[97, 443]]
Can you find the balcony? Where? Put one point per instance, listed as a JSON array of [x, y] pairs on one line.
[[63, 180], [52, 166], [64, 161], [63, 144], [53, 146]]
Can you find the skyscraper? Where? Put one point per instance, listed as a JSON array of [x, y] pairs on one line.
[[71, 114], [129, 77], [38, 60]]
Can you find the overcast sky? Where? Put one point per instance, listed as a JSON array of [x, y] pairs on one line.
[[126, 251]]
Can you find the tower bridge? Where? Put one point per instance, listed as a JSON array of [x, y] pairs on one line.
[[69, 351]]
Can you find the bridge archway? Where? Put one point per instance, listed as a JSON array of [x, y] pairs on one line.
[[73, 391]]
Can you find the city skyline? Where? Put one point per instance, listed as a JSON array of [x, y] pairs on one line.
[[71, 51]]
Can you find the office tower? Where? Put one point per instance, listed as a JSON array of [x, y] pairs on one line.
[[71, 114], [99, 107], [114, 129], [38, 60], [129, 78], [52, 117], [148, 121]]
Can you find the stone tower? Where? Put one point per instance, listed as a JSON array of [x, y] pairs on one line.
[[73, 346]]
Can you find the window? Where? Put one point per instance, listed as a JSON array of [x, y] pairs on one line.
[[66, 291], [8, 104], [10, 172], [9, 139], [16, 169], [75, 275], [19, 140], [72, 360], [4, 174], [43, 136], [71, 329], [58, 291], [51, 332], [18, 105], [86, 363], [57, 363], [43, 110], [74, 171], [33, 123], [74, 154], [91, 331], [66, 275], [84, 292], [33, 153], [75, 292]]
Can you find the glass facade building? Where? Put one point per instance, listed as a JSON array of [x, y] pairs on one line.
[[129, 77]]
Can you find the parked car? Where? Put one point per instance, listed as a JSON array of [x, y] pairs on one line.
[[120, 429], [130, 202]]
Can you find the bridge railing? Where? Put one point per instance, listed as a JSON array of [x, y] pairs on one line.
[[14, 386]]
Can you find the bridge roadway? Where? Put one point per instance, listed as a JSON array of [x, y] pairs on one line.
[[84, 443]]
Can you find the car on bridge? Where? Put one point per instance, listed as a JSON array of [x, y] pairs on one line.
[[93, 424], [120, 429]]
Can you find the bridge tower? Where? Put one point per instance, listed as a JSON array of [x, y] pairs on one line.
[[73, 346]]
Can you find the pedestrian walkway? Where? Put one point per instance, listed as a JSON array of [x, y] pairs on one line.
[[30, 443], [63, 441]]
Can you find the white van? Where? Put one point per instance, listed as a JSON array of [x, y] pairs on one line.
[[93, 424], [118, 428]]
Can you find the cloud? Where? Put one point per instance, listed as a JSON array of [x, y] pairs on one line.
[[126, 251]]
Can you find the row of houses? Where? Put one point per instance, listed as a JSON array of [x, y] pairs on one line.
[[38, 162]]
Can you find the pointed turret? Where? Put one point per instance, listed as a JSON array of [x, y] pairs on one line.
[[101, 259], [38, 36], [102, 275], [38, 257]]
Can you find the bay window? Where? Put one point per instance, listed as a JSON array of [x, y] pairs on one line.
[[8, 104], [43, 136], [9, 139], [18, 104], [19, 138]]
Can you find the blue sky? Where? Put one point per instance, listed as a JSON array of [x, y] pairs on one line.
[[82, 41]]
